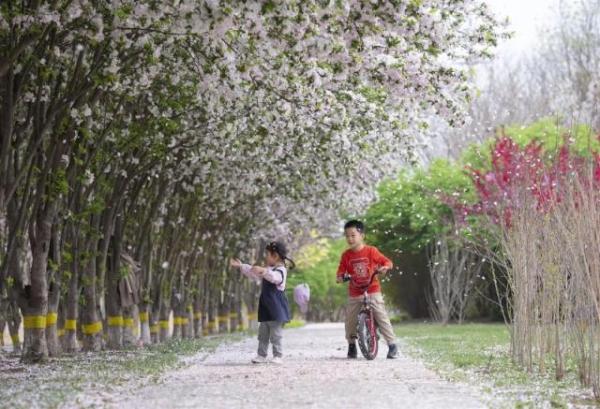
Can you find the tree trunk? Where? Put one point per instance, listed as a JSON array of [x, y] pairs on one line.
[[251, 304], [13, 319], [177, 325], [163, 322], [71, 307], [34, 313], [91, 325], [205, 308], [73, 240], [213, 315], [155, 325], [114, 312], [198, 313], [60, 325], [145, 324], [198, 327], [3, 308], [129, 336], [54, 347], [188, 323], [17, 295], [223, 317], [236, 310], [178, 317]]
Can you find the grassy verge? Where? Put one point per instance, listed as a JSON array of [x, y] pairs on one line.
[[295, 324], [478, 354], [74, 379]]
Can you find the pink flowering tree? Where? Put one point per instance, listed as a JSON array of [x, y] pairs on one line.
[[179, 130]]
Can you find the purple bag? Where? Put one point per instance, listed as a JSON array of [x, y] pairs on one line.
[[302, 296]]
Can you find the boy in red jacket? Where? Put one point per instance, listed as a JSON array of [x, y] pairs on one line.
[[360, 262]]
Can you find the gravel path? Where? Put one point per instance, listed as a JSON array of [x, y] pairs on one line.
[[315, 374]]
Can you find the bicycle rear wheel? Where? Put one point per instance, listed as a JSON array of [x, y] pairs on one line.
[[367, 335]]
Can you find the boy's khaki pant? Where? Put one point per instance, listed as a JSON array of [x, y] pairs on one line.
[[381, 317]]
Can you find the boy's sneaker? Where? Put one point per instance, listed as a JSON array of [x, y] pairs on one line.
[[259, 360], [277, 360], [392, 351], [352, 351]]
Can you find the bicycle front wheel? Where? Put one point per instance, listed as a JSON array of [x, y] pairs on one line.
[[367, 335]]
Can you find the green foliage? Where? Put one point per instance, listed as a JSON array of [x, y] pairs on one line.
[[59, 185], [124, 271], [52, 265], [546, 131], [410, 212], [67, 256], [374, 94], [124, 11], [553, 136]]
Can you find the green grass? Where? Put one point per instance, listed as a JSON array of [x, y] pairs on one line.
[[479, 354], [462, 346], [295, 324], [59, 381]]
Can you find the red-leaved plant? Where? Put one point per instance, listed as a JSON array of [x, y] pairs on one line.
[[543, 211], [519, 174]]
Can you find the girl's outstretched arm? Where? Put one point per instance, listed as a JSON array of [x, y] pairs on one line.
[[246, 269], [249, 272], [235, 263], [258, 270]]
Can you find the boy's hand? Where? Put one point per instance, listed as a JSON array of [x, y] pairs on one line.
[[235, 263], [343, 278], [382, 270]]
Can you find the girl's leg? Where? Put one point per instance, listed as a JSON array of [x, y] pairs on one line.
[[263, 339], [276, 336]]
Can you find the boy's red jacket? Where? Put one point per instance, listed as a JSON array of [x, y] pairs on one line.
[[361, 265]]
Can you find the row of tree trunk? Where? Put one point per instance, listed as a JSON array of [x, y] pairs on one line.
[[64, 330]]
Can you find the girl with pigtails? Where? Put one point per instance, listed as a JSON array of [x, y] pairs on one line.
[[273, 307]]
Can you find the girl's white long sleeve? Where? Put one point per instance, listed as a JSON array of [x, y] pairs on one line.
[[246, 270], [275, 275]]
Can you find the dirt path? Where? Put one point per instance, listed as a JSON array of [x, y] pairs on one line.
[[315, 374]]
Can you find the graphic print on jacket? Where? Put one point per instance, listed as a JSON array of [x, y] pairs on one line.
[[360, 266]]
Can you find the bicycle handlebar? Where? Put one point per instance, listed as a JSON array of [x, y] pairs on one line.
[[347, 277]]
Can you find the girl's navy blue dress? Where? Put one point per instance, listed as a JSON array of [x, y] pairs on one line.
[[273, 304]]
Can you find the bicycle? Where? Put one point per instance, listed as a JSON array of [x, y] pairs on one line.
[[366, 328]]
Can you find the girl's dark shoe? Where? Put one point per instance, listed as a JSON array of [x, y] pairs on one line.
[[352, 351], [392, 351]]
